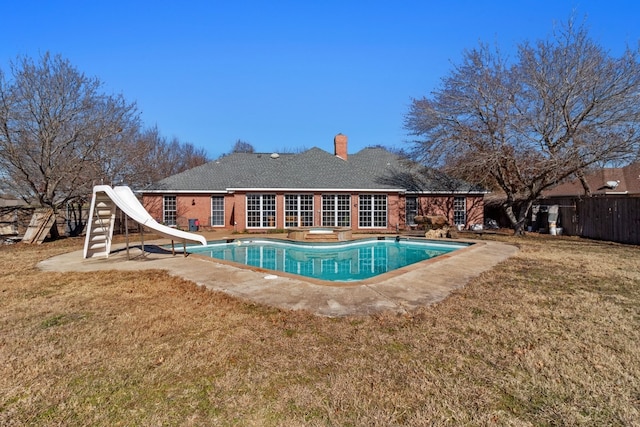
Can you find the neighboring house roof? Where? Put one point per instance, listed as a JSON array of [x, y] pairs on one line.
[[313, 169], [7, 200], [606, 181]]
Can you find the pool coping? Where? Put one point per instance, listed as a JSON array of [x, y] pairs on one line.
[[320, 282], [413, 286]]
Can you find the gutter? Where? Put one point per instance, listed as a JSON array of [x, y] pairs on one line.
[[182, 191], [310, 190]]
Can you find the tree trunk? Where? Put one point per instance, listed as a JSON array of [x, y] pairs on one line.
[[508, 210], [585, 184], [518, 222], [523, 215], [76, 226], [55, 235]]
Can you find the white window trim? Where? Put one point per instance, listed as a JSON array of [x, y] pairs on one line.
[[164, 210], [298, 210], [275, 206], [464, 210], [218, 196], [335, 210], [373, 211]]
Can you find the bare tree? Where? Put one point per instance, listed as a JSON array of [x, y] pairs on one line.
[[562, 106], [57, 130], [291, 150], [242, 147], [153, 157]]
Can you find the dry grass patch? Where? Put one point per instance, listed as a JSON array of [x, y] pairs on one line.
[[548, 337]]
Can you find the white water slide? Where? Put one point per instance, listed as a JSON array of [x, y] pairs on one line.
[[102, 217]]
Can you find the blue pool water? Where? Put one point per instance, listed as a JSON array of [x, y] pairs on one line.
[[340, 262]]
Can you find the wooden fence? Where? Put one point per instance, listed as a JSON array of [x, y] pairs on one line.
[[611, 218], [15, 221]]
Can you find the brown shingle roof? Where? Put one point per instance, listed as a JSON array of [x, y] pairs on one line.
[[626, 178]]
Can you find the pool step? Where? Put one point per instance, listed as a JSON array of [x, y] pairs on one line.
[[324, 237]]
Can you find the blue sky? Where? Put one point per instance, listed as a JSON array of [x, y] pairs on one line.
[[286, 75]]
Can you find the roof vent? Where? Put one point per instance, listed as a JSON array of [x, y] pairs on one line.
[[275, 155], [612, 184]]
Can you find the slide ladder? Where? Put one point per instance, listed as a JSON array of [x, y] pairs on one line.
[[102, 215]]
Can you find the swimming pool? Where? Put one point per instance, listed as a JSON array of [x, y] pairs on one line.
[[338, 262]]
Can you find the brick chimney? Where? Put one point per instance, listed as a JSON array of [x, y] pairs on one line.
[[340, 145]]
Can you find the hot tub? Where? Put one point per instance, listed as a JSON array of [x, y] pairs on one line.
[[320, 234]]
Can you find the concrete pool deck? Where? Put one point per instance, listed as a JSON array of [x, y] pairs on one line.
[[411, 287]]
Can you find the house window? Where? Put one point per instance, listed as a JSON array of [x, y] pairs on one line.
[[169, 210], [372, 210], [298, 210], [217, 211], [460, 210], [336, 210], [411, 210], [261, 211]]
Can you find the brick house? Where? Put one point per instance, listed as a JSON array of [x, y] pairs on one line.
[[372, 190]]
